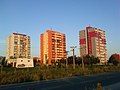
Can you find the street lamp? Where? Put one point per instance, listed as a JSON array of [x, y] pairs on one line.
[[73, 49], [83, 66], [67, 59]]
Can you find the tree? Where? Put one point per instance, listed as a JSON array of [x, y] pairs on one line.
[[3, 61], [70, 60], [97, 60], [90, 60], [113, 60], [86, 59], [78, 60], [36, 61]]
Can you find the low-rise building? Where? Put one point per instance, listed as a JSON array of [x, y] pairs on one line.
[[24, 62]]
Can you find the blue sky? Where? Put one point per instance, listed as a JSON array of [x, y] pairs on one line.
[[33, 17]]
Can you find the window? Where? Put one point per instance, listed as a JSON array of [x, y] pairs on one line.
[[15, 42], [21, 41], [28, 60], [53, 40], [21, 60]]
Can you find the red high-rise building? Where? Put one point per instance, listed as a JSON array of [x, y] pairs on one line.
[[116, 56], [93, 42]]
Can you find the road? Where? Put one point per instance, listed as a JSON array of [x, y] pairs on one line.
[[109, 80]]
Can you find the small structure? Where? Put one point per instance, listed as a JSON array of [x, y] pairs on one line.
[[24, 63]]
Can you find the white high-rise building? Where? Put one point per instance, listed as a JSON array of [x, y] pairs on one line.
[[18, 46]]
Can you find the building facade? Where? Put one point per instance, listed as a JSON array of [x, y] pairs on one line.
[[93, 42], [52, 47], [18, 46]]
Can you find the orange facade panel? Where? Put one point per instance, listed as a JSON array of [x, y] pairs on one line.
[[41, 48]]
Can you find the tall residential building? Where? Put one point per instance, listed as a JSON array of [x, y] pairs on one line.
[[52, 47], [18, 46], [93, 42]]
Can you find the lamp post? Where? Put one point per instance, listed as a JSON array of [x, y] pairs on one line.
[[67, 59], [83, 66], [2, 65], [73, 49], [1, 68]]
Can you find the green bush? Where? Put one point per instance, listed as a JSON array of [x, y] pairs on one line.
[[14, 75]]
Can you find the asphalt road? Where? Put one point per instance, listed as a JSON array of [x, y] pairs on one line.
[[109, 80]]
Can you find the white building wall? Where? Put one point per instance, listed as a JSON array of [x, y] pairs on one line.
[[24, 62], [17, 52]]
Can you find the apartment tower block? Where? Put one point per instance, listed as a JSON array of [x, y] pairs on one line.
[[93, 42], [18, 46], [52, 47]]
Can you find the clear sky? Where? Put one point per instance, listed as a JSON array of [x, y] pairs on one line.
[[33, 17]]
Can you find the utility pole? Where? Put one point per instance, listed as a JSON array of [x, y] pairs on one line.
[[83, 67], [1, 68], [2, 64], [73, 49], [67, 59]]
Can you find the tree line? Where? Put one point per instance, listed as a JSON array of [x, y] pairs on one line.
[[87, 60]]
